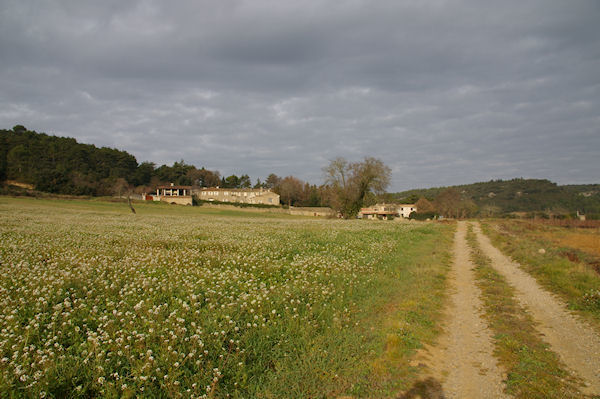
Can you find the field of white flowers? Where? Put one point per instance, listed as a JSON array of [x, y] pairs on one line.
[[96, 301]]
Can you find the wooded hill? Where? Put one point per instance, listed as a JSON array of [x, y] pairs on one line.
[[62, 165], [501, 197]]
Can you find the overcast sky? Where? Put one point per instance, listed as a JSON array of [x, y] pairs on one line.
[[444, 92]]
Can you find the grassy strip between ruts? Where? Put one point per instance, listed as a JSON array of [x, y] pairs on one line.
[[575, 282], [534, 371]]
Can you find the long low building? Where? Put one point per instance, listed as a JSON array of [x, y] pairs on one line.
[[387, 211], [239, 195]]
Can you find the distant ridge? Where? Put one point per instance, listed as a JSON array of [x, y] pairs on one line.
[[500, 197]]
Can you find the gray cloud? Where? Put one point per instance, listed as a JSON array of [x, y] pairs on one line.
[[445, 92]]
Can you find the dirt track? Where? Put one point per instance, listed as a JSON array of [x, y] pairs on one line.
[[461, 365], [577, 344], [462, 362]]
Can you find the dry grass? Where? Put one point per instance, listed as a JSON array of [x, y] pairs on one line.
[[584, 224], [586, 241]]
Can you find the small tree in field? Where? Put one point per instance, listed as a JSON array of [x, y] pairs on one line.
[[120, 187]]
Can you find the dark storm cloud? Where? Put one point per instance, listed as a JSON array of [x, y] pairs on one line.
[[444, 92]]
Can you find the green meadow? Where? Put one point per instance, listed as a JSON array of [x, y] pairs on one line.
[[174, 301]]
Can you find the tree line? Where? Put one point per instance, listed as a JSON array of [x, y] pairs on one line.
[[61, 165]]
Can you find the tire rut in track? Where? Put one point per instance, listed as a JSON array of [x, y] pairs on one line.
[[576, 343], [462, 361]]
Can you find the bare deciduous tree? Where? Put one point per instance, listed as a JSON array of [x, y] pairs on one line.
[[290, 189], [424, 205], [350, 183], [451, 204]]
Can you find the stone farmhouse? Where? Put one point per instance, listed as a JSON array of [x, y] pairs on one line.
[[240, 195], [387, 211], [406, 209]]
